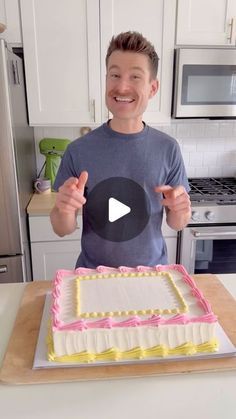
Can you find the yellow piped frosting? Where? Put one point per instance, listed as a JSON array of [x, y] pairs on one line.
[[114, 354]]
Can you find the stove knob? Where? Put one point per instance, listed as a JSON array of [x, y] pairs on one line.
[[195, 216], [210, 216]]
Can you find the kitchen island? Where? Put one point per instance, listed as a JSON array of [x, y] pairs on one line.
[[204, 395]]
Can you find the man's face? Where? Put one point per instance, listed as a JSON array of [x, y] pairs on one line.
[[129, 85]]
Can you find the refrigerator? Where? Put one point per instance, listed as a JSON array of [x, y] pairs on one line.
[[17, 169]]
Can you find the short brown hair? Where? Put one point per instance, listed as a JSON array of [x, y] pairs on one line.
[[134, 42]]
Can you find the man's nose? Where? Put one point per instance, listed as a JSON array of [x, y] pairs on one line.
[[123, 84]]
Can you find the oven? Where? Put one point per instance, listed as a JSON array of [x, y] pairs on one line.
[[208, 243]]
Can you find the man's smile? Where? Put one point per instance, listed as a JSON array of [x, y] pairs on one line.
[[124, 99]]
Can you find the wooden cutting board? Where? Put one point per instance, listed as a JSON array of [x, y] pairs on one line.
[[18, 361]]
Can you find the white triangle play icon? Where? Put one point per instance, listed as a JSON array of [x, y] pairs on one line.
[[116, 210]]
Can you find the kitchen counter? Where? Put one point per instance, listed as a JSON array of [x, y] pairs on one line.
[[41, 204], [204, 395]]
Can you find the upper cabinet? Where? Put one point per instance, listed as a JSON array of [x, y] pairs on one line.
[[62, 61], [65, 47], [155, 19], [206, 22], [10, 18]]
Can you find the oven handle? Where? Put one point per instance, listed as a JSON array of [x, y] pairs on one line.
[[197, 233]]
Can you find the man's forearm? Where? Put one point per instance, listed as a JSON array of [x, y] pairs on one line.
[[63, 223], [177, 221]]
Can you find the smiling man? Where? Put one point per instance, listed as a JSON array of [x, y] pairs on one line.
[[123, 148], [129, 86]]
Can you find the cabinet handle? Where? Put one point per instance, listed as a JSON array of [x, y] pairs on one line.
[[3, 269], [232, 30], [15, 72], [93, 109]]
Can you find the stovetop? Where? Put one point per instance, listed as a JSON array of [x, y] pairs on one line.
[[219, 190]]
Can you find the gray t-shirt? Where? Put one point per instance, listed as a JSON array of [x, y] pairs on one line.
[[150, 158]]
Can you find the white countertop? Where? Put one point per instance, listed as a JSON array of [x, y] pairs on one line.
[[192, 396]]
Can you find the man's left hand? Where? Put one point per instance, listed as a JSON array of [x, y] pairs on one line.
[[177, 201]]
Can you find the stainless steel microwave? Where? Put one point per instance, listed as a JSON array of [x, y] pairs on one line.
[[204, 83]]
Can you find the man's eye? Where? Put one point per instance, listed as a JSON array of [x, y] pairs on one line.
[[114, 76], [136, 76]]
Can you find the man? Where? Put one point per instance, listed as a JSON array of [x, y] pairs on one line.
[[124, 147]]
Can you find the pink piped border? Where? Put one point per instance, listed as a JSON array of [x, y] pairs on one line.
[[108, 322]]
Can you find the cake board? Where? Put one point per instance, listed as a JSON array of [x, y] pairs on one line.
[[17, 366]]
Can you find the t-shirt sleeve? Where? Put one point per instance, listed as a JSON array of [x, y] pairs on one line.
[[66, 169], [177, 174]]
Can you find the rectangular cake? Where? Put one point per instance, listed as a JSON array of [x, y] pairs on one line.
[[128, 313]]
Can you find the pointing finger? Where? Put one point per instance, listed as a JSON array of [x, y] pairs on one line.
[[82, 181], [170, 192], [71, 182]]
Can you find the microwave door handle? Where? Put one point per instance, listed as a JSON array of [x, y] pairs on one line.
[[212, 235]]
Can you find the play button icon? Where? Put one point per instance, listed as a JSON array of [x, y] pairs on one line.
[[117, 209]]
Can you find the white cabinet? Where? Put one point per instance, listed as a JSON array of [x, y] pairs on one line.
[[206, 22], [155, 19], [65, 47], [62, 61], [10, 17], [48, 257], [50, 252], [171, 241]]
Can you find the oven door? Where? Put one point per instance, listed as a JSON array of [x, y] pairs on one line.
[[208, 249]]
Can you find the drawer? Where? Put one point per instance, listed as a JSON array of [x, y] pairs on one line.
[[41, 230]]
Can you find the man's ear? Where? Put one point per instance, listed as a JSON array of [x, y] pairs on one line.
[[154, 88]]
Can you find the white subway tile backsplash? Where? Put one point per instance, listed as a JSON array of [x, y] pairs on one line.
[[202, 171], [196, 159], [203, 144], [76, 132], [211, 130], [227, 158], [188, 146], [197, 130], [215, 171], [230, 144], [183, 130], [228, 171], [61, 132], [168, 129], [186, 158], [234, 129], [191, 171], [210, 158], [208, 147], [226, 129]]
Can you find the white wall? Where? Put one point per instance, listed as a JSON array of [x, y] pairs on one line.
[[208, 147]]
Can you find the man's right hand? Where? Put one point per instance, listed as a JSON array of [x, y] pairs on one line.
[[70, 196]]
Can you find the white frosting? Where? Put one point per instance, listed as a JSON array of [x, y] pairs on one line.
[[99, 340], [111, 300], [127, 293]]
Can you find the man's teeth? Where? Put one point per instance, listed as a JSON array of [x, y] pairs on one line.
[[123, 99]]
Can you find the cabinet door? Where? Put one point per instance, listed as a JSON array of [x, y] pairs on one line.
[[62, 57], [10, 18], [171, 244], [47, 258], [155, 19], [206, 22], [170, 237]]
